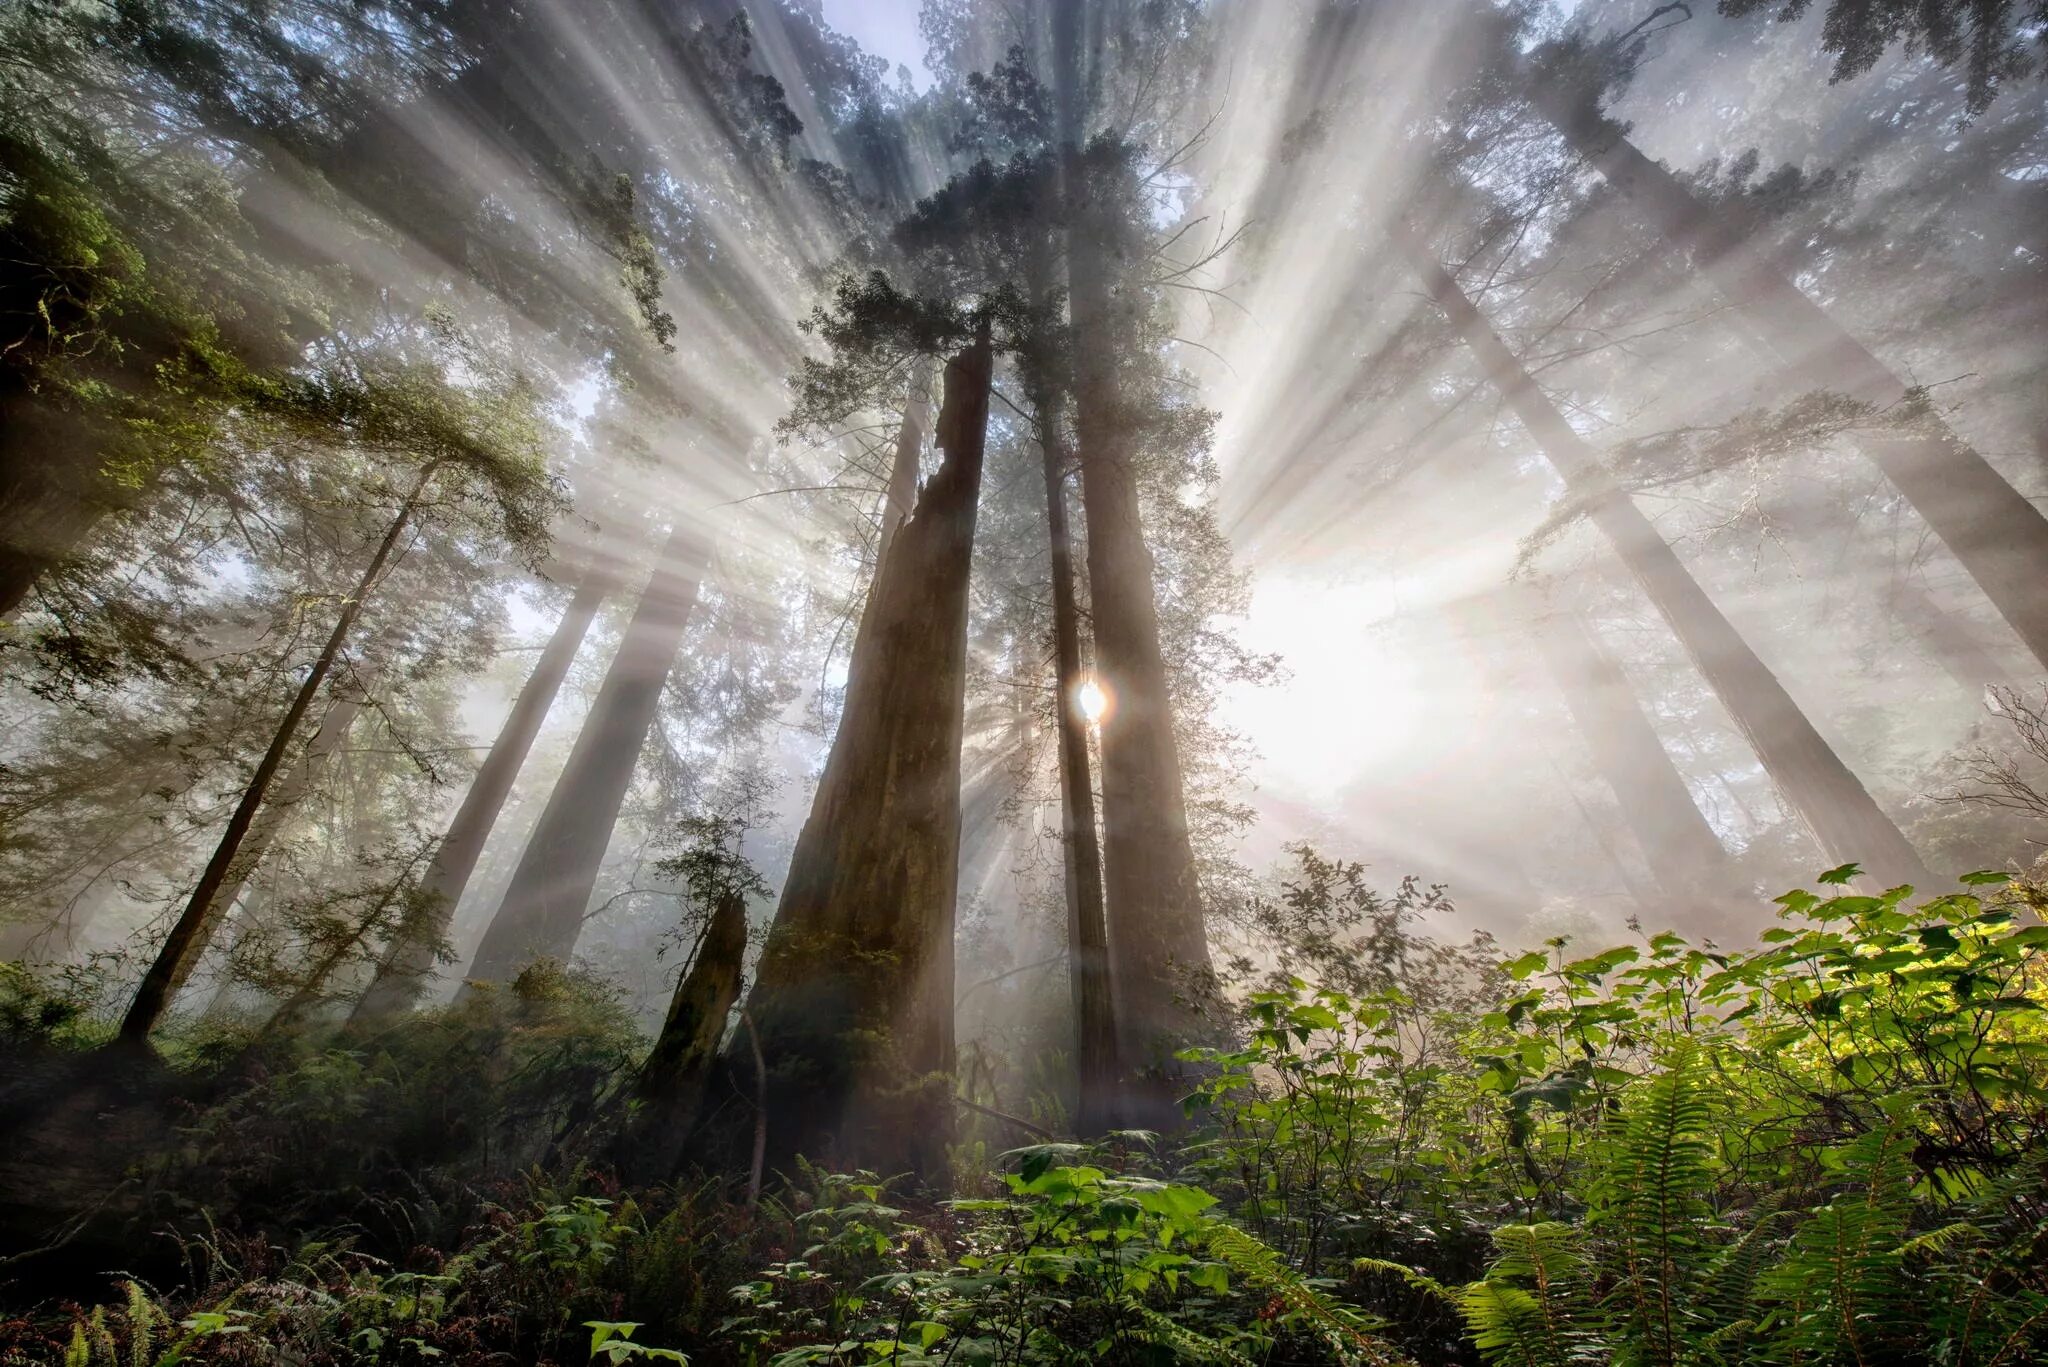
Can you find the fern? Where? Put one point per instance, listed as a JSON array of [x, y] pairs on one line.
[[1344, 1329], [1842, 1281], [1532, 1309], [1180, 1340], [1649, 1205]]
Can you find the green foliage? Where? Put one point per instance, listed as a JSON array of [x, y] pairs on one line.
[[1825, 1150]]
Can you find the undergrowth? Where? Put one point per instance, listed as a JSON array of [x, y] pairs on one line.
[[1825, 1150]]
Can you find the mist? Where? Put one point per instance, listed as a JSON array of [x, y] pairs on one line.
[[883, 570]]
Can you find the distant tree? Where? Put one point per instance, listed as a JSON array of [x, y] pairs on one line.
[[459, 454]]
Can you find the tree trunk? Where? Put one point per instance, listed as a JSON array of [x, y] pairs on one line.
[[901, 494], [1157, 944], [670, 1087], [2000, 537], [197, 923], [1683, 852], [327, 738], [853, 998], [1830, 800], [53, 493], [542, 913], [408, 961], [1087, 928], [1952, 641]]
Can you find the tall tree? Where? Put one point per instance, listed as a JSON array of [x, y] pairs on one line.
[[408, 961], [1829, 799], [1157, 943], [1997, 534], [853, 996], [1684, 854], [542, 913], [479, 444], [1095, 1040]]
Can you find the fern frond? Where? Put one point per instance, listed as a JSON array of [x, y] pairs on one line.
[[1842, 1280], [1650, 1207], [1345, 1330], [1548, 1321], [1421, 1281], [1182, 1341]]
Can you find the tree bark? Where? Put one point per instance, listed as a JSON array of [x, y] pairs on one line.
[[670, 1087], [1157, 943], [1830, 800], [408, 961], [901, 494], [1095, 1047], [542, 912], [1997, 534], [327, 738], [1684, 854], [196, 925], [853, 997]]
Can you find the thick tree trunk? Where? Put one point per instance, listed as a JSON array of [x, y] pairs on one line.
[[1684, 854], [1095, 1046], [853, 998], [197, 923], [408, 961], [1829, 799], [1157, 943], [542, 913], [2000, 537], [670, 1087]]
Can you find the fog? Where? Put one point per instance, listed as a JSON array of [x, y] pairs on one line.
[[1432, 658]]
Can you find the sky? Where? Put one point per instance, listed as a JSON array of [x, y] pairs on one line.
[[887, 28]]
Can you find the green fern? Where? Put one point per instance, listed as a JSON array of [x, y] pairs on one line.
[[1345, 1330], [1180, 1340], [1533, 1308], [1842, 1281], [1650, 1210]]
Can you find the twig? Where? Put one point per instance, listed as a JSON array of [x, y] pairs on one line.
[[1018, 1121]]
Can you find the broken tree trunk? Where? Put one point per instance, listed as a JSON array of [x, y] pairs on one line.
[[852, 1003], [670, 1087]]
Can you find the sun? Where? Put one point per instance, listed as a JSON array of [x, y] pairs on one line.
[[1092, 700]]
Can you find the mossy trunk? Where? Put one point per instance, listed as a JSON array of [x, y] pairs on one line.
[[853, 998], [671, 1083]]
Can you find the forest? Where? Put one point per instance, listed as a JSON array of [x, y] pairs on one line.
[[923, 683]]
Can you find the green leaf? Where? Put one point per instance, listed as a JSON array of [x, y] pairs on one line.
[[1841, 874]]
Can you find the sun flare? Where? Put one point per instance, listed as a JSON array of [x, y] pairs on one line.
[[1093, 701]]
